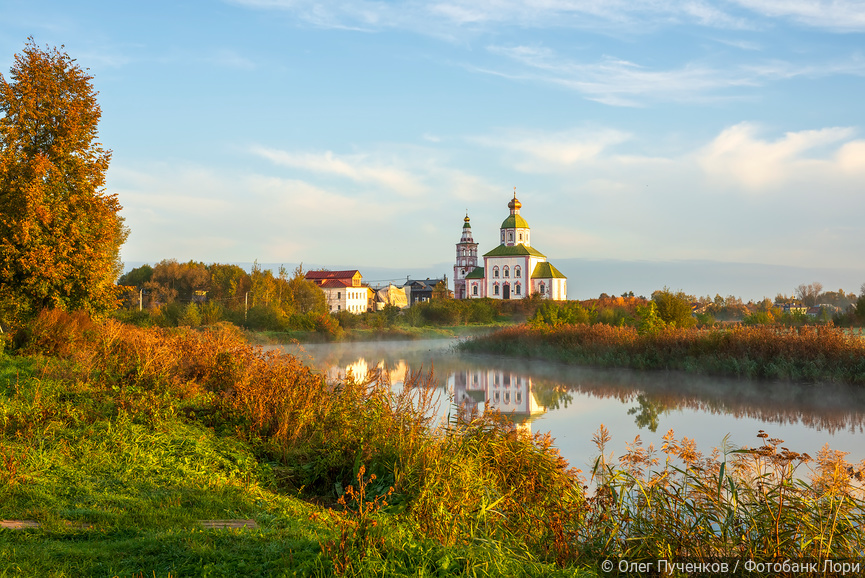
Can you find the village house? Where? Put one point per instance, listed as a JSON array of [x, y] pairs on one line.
[[342, 289], [421, 290]]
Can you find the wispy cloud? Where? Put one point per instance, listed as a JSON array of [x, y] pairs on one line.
[[543, 152], [434, 17], [839, 15], [621, 82], [469, 15], [358, 168]]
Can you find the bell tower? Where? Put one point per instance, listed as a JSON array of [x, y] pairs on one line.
[[467, 259]]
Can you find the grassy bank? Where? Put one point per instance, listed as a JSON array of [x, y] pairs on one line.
[[398, 333], [119, 441], [807, 353]]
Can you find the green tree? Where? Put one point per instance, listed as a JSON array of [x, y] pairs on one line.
[[137, 277], [674, 308], [60, 232], [649, 322], [441, 291], [306, 296]]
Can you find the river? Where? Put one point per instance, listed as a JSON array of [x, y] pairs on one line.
[[571, 402]]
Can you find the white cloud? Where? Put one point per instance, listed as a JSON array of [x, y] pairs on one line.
[[449, 17], [634, 15], [551, 151], [358, 168], [840, 15], [739, 156], [619, 82]]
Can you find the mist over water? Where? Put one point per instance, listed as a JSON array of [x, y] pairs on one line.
[[571, 402]]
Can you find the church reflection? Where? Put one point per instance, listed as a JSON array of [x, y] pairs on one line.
[[509, 393]]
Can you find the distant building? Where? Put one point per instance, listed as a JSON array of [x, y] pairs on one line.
[[342, 289], [420, 291], [391, 295], [513, 270]]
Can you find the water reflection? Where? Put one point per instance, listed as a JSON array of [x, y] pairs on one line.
[[573, 401]]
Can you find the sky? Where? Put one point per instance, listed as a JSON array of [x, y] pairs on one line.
[[694, 135]]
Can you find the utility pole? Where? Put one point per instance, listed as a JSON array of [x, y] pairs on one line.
[[140, 299], [245, 306]]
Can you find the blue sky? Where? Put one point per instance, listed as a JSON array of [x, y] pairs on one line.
[[353, 133]]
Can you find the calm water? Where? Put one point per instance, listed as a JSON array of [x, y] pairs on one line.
[[572, 402]]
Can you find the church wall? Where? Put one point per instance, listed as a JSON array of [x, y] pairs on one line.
[[490, 265]]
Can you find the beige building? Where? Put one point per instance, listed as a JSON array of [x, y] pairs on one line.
[[391, 295]]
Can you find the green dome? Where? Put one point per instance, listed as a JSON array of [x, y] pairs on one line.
[[514, 222]]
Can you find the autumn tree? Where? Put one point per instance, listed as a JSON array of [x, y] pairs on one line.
[[674, 308], [60, 232], [306, 295]]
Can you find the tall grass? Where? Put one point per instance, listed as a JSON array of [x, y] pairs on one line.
[[805, 353], [735, 503]]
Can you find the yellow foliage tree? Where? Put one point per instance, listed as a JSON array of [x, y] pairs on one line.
[[60, 232]]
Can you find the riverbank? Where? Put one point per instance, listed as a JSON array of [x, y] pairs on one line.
[[398, 333], [806, 353], [119, 441]]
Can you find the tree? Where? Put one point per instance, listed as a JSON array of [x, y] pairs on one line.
[[674, 308], [809, 294], [60, 232], [306, 295]]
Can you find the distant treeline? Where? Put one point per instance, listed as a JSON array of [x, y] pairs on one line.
[[193, 294]]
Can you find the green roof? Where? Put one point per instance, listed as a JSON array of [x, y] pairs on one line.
[[477, 273], [546, 271], [514, 222], [514, 251]]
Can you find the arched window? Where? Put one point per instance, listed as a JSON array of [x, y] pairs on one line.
[[503, 236], [517, 289], [543, 288], [474, 289], [495, 272], [507, 271], [517, 271], [521, 236], [507, 397], [496, 289], [510, 237]]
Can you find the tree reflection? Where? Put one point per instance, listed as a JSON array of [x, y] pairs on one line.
[[647, 413], [553, 395]]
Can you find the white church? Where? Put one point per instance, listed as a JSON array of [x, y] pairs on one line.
[[513, 270]]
